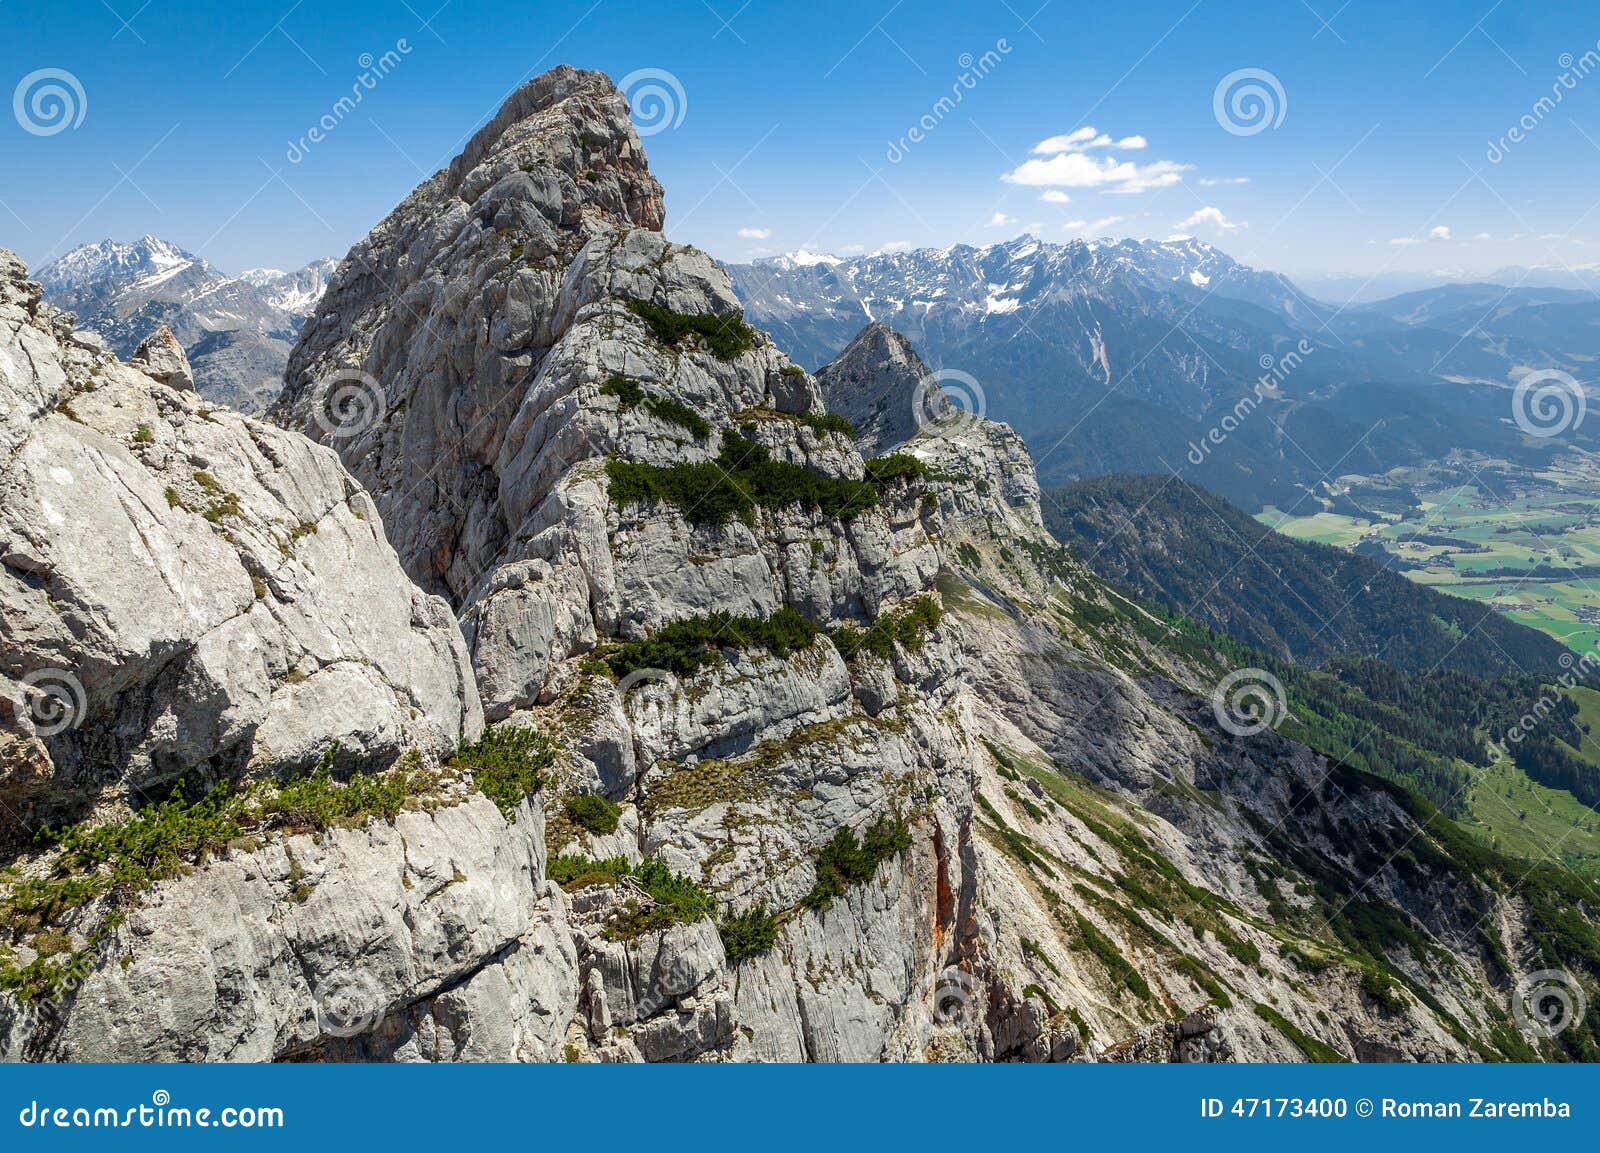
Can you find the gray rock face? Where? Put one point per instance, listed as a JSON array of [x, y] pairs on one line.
[[380, 943], [185, 588], [874, 383], [487, 313], [160, 357]]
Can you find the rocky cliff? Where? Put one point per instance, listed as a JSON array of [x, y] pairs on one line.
[[794, 754]]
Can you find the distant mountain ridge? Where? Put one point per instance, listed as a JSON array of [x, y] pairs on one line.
[[1170, 541], [236, 330], [1123, 355], [942, 290]]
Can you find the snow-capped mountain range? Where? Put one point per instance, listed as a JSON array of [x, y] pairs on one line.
[[236, 330], [946, 296], [1121, 355]]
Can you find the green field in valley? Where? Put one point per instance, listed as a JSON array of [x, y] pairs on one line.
[[1463, 526]]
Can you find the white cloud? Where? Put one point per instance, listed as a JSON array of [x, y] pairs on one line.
[[1214, 181], [1441, 232], [896, 246], [1092, 227], [847, 249], [1482, 236], [1085, 138], [1064, 162], [755, 233], [1055, 196], [1075, 170], [1000, 220], [1211, 217]]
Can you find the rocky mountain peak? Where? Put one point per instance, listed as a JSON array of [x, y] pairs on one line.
[[874, 384], [236, 331], [456, 322], [91, 264], [573, 124]]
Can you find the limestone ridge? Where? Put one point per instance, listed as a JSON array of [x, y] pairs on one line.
[[874, 384], [491, 309], [209, 592], [496, 309], [968, 802]]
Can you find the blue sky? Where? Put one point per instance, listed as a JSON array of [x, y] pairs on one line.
[[790, 113]]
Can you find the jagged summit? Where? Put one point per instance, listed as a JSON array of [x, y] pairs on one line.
[[874, 384], [576, 123], [454, 319], [107, 259], [1083, 301]]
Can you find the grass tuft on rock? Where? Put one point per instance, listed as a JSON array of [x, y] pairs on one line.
[[509, 764], [724, 336], [846, 861], [748, 934], [744, 477], [673, 898], [907, 625], [593, 812], [684, 647], [631, 394]]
